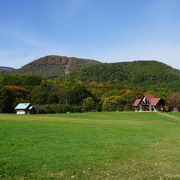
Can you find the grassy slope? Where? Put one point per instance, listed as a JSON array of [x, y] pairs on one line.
[[90, 146]]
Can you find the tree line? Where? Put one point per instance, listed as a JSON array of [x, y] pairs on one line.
[[60, 96]]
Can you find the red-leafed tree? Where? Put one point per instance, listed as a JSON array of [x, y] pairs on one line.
[[174, 99]]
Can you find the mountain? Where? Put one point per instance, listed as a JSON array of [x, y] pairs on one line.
[[6, 70], [53, 66], [136, 73]]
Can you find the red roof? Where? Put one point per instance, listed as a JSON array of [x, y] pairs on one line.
[[136, 103], [149, 97], [154, 101]]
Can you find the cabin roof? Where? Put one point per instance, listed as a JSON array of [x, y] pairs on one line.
[[136, 103], [30, 107], [22, 106], [152, 100], [149, 97]]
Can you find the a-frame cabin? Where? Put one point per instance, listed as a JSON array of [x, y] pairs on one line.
[[148, 103]]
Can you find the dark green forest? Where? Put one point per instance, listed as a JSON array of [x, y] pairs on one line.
[[85, 85], [144, 74]]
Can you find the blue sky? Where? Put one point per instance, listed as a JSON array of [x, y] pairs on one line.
[[105, 30]]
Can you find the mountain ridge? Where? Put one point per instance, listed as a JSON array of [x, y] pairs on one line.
[[6, 67], [137, 73], [4, 70], [73, 62], [51, 66], [50, 57]]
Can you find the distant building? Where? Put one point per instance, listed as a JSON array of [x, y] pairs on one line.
[[148, 103], [175, 109], [25, 108]]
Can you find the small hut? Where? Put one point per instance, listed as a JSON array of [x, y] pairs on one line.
[[24, 108]]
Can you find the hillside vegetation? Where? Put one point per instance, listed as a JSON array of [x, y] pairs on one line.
[[53, 66], [6, 70], [56, 84], [137, 74]]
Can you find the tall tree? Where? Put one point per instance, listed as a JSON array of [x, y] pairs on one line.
[[7, 99]]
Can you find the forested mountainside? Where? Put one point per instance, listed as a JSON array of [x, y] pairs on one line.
[[53, 66], [6, 70], [137, 73], [56, 84]]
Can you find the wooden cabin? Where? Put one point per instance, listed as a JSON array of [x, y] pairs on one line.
[[149, 104], [24, 108]]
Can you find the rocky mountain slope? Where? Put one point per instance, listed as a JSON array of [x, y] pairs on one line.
[[53, 66]]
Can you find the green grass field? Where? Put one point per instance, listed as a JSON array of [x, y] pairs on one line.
[[118, 145]]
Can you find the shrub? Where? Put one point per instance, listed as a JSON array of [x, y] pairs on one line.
[[56, 108]]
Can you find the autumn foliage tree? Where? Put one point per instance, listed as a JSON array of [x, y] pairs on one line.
[[174, 99], [89, 104], [112, 103]]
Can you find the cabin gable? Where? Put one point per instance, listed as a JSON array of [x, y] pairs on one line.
[[148, 103]]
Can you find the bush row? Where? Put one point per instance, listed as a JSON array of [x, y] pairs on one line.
[[56, 108]]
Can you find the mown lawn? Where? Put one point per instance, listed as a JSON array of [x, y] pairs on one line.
[[115, 145]]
